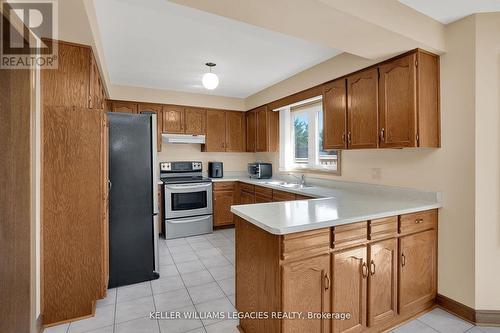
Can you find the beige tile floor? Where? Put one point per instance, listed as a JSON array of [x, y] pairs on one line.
[[197, 274]]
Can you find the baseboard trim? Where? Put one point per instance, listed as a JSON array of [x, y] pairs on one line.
[[39, 326], [477, 317], [458, 309], [488, 317]]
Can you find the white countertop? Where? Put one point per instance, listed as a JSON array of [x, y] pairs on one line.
[[339, 203]]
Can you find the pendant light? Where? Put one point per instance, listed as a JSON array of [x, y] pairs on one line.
[[210, 80]]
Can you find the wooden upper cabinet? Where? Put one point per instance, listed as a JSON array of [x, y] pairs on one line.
[[156, 108], [398, 103], [306, 287], [382, 281], [216, 131], [195, 121], [68, 85], [267, 130], [173, 119], [335, 115], [235, 131], [428, 113], [417, 270], [261, 121], [125, 107], [251, 130], [350, 272], [362, 105]]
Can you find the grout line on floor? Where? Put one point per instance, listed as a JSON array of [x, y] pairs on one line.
[[180, 275], [434, 329], [154, 305]]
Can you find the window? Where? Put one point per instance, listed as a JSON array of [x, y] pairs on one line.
[[301, 139]]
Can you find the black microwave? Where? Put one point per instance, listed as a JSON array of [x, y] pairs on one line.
[[260, 170]]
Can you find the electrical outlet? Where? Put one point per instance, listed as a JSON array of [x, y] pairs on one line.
[[376, 173]]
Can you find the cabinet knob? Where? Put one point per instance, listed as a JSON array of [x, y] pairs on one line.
[[349, 137], [382, 135], [418, 221], [372, 267], [403, 260], [343, 137]]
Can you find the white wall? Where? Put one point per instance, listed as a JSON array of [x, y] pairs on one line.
[[487, 159]]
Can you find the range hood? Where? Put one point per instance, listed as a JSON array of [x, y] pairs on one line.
[[183, 138]]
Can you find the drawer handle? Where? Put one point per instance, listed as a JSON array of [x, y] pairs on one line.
[[419, 221], [372, 267], [403, 260], [364, 270], [327, 282]]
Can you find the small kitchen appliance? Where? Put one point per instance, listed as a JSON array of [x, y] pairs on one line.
[[260, 170], [215, 169]]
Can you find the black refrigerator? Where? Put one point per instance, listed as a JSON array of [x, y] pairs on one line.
[[133, 211]]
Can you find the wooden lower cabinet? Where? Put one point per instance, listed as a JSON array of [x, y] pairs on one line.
[[350, 273], [246, 198], [376, 285], [417, 270], [305, 288], [223, 197]]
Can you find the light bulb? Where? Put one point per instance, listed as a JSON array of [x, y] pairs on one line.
[[210, 81]]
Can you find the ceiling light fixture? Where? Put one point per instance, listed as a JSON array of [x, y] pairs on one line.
[[210, 80]]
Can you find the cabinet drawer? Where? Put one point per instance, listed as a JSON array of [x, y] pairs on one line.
[[305, 244], [247, 188], [263, 192], [223, 186], [283, 196], [350, 235], [383, 228], [420, 221]]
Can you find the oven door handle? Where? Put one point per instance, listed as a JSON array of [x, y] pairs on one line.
[[188, 220], [183, 187]]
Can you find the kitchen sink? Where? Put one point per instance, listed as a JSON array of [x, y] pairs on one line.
[[288, 185]]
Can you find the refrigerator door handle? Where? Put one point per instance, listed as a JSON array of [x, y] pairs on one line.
[[110, 185]]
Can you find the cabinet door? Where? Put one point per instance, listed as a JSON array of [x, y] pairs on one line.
[[195, 120], [261, 140], [417, 270], [246, 198], [223, 200], [173, 119], [235, 131], [382, 281], [334, 115], [251, 130], [350, 272], [216, 131], [362, 109], [156, 108], [125, 107], [306, 288], [398, 103]]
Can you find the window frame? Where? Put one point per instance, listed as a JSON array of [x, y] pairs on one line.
[[287, 139]]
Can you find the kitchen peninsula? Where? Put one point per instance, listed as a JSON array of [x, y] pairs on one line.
[[367, 254]]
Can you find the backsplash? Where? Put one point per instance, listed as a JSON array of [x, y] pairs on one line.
[[192, 152]]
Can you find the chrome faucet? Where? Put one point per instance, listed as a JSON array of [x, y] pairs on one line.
[[302, 179]]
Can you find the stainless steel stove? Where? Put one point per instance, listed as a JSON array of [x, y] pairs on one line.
[[187, 199]]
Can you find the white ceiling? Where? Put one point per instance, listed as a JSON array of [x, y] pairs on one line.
[[447, 11], [158, 44]]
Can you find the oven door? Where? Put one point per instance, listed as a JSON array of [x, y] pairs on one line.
[[193, 199]]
